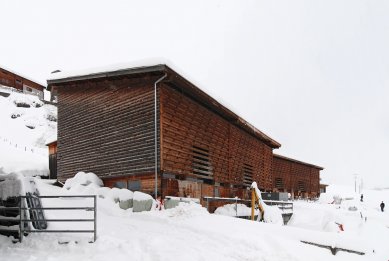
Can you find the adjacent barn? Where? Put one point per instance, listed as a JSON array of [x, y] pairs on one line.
[[296, 177], [21, 83], [150, 129]]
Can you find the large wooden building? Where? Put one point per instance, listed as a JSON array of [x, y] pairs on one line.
[[296, 177], [125, 124], [21, 83]]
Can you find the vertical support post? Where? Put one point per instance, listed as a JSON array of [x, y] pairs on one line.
[[236, 206], [252, 203], [20, 220], [95, 216]]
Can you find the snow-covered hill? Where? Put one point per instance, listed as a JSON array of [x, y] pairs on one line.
[[25, 125]]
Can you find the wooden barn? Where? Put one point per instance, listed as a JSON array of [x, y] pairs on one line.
[[296, 177], [21, 83], [128, 125]]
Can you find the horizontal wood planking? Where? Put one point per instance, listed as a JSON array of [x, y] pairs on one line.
[[185, 123], [147, 181], [292, 173], [106, 127]]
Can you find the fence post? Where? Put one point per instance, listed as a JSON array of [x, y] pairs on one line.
[[236, 205], [20, 220], [95, 216]]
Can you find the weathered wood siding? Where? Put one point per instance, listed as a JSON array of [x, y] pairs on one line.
[[187, 126], [296, 178], [11, 79], [106, 127]]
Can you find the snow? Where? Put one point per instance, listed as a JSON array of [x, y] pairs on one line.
[[189, 232], [139, 196], [233, 210], [22, 149], [83, 179], [14, 185], [272, 214], [23, 76]]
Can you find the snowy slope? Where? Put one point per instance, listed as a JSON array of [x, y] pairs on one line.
[[23, 134]]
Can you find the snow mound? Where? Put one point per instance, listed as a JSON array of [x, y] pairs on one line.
[[121, 194], [272, 213], [24, 100], [82, 179], [140, 196], [186, 210], [234, 210], [13, 185]]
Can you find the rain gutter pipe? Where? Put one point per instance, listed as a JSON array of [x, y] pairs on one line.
[[155, 136]]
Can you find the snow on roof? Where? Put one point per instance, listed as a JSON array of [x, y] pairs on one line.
[[23, 76], [109, 68], [51, 139], [297, 161], [147, 65]]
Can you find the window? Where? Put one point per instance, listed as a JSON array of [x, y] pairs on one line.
[[279, 183], [119, 184], [247, 174], [201, 163], [301, 186], [18, 81], [134, 185], [28, 89]]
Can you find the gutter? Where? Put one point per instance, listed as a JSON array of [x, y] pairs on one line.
[[155, 136]]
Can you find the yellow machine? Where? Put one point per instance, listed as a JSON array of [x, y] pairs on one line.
[[256, 202]]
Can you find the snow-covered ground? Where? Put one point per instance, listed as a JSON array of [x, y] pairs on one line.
[[189, 232], [23, 134]]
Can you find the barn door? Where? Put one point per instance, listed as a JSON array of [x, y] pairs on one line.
[[53, 165]]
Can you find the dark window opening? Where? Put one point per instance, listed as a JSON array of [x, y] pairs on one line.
[[134, 185], [29, 89], [279, 183], [119, 184], [301, 186], [248, 172], [201, 163]]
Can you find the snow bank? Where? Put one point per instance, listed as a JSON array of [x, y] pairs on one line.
[[121, 194], [22, 142], [13, 185], [83, 179], [186, 210], [234, 210], [25, 100], [141, 196]]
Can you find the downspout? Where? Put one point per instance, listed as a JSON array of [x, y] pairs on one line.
[[156, 136]]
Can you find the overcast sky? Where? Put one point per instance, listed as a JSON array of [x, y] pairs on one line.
[[313, 75]]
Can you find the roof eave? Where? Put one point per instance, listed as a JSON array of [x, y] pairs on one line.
[[137, 70], [297, 161]]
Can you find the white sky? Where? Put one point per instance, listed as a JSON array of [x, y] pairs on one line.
[[314, 75]]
